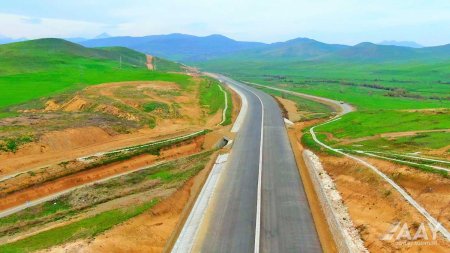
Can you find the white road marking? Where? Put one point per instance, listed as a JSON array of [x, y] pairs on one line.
[[259, 194], [186, 239], [346, 108]]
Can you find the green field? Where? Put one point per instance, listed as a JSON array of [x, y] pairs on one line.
[[366, 85], [369, 123], [379, 90], [45, 67], [212, 98]]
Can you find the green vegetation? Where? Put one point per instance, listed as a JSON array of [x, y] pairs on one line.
[[155, 105], [309, 142], [151, 148], [46, 67], [166, 66], [369, 123], [12, 144], [211, 96], [85, 228], [429, 140], [228, 113], [45, 209], [366, 85], [168, 175], [421, 165], [405, 144], [315, 110]]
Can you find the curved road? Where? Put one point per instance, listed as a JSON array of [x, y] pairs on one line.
[[259, 204]]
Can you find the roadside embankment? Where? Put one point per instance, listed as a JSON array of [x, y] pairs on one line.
[[345, 235]]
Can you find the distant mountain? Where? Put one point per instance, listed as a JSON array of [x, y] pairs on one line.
[[367, 51], [303, 49], [180, 47], [102, 36], [295, 49], [194, 49], [400, 43]]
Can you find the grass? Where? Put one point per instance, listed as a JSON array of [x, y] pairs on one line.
[[429, 140], [211, 96], [405, 144], [228, 113], [422, 167], [153, 149], [46, 67], [315, 109], [166, 66], [167, 175], [365, 85], [369, 123], [12, 144], [309, 142], [155, 105], [45, 209], [85, 228]]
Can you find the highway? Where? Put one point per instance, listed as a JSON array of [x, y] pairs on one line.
[[259, 204]]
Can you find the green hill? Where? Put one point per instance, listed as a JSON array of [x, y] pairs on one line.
[[37, 68]]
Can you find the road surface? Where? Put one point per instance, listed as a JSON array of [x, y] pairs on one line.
[[340, 107], [259, 204]]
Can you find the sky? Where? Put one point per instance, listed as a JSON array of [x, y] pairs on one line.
[[426, 22]]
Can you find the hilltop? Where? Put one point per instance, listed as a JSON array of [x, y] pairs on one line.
[[196, 49], [36, 68], [179, 47]]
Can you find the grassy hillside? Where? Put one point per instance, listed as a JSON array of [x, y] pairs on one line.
[[43, 67], [167, 66]]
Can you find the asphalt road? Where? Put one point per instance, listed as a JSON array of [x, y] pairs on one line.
[[272, 215]]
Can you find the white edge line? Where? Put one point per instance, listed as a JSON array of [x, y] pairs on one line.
[[259, 194], [186, 239]]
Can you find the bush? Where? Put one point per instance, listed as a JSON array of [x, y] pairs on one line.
[[153, 106]]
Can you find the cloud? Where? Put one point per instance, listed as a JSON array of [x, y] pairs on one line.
[[338, 21], [29, 20], [18, 26]]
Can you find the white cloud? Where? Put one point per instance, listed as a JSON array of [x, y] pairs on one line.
[[18, 26], [338, 21]]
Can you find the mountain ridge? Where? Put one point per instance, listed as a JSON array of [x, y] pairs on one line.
[[192, 49]]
